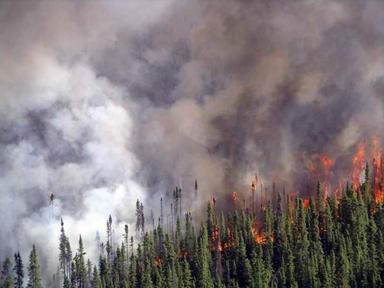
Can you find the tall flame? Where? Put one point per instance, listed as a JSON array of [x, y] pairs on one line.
[[306, 203], [358, 163], [377, 171], [327, 164]]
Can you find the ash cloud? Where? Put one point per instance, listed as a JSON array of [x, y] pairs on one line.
[[105, 102]]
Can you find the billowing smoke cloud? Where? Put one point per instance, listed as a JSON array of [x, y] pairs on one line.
[[65, 129], [104, 102]]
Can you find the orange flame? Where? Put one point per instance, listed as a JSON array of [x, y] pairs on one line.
[[327, 164], [235, 197], [376, 151], [338, 192], [320, 169], [183, 253], [378, 181], [306, 203], [358, 162], [157, 261], [219, 247], [215, 233], [257, 234]]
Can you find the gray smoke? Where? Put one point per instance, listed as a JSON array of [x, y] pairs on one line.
[[104, 102]]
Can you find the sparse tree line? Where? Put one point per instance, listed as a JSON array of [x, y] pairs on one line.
[[314, 242]]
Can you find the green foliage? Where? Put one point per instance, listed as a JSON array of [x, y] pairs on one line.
[[6, 280], [34, 278], [18, 269], [313, 243]]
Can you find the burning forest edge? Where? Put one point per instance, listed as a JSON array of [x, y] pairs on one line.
[[327, 240]]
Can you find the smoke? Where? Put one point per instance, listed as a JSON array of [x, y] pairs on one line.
[[104, 102], [65, 129]]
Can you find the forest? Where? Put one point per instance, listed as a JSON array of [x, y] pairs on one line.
[[292, 242]]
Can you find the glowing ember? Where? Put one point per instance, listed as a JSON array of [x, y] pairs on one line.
[[157, 261], [259, 238], [219, 247]]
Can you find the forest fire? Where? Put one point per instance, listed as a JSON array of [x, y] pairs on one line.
[[358, 163], [327, 164], [378, 180], [215, 233], [183, 253], [320, 169], [377, 171], [157, 261], [338, 192], [323, 169], [258, 236], [235, 197], [219, 247]]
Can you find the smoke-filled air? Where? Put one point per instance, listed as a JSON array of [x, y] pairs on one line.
[[103, 103]]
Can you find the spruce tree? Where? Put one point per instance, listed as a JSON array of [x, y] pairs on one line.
[[19, 271], [34, 278], [95, 283], [80, 268], [204, 279], [6, 280]]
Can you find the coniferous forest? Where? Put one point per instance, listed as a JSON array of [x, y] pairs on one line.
[[313, 242]]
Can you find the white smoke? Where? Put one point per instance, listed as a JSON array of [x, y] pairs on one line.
[[65, 129]]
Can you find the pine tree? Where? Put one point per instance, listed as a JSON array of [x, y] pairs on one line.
[[328, 243], [186, 278], [81, 270], [204, 279], [65, 253], [342, 265], [66, 282], [19, 271], [34, 278], [146, 280], [109, 246], [244, 266], [301, 245], [374, 279], [132, 271], [6, 280], [260, 273], [95, 282]]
